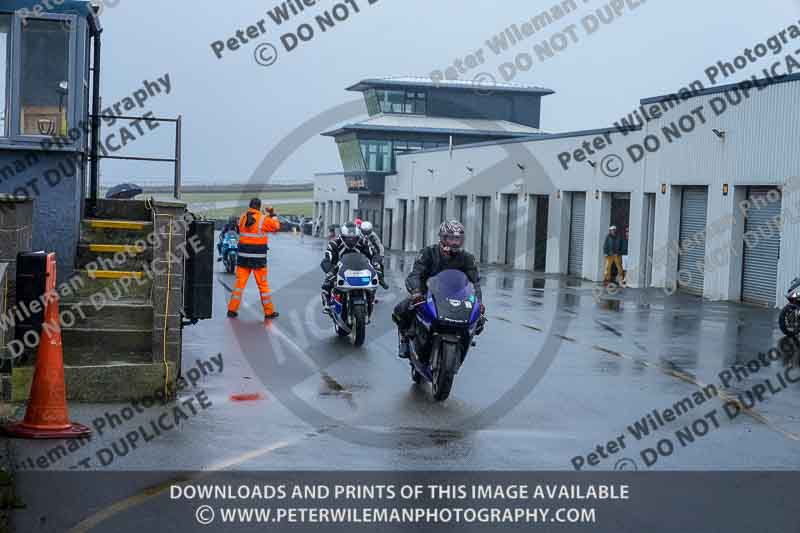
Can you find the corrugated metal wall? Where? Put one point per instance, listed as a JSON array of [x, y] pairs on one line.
[[761, 147]]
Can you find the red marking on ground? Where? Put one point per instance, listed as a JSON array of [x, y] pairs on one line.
[[247, 397]]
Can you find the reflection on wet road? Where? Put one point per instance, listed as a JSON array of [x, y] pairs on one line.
[[618, 359]]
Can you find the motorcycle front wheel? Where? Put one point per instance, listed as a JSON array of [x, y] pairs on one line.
[[445, 371], [789, 320], [359, 325]]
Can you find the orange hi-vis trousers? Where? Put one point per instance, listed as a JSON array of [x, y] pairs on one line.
[[242, 275]]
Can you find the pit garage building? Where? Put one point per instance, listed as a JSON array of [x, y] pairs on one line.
[[709, 187]]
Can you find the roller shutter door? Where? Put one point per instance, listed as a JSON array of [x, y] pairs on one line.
[[576, 233], [762, 246], [691, 263]]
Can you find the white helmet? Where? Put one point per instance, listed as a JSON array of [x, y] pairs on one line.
[[350, 235], [366, 228]]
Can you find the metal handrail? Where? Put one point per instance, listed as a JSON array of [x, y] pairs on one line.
[[176, 160]]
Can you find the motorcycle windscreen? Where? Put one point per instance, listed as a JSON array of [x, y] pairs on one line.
[[795, 284], [356, 268], [454, 297], [355, 261]]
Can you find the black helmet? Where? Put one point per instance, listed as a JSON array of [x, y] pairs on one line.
[[255, 203], [451, 237], [350, 235]]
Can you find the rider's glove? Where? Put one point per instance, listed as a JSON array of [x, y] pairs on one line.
[[326, 265], [483, 309]]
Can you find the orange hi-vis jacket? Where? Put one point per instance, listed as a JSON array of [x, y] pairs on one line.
[[253, 239]]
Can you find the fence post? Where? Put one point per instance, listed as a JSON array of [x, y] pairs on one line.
[[178, 158]]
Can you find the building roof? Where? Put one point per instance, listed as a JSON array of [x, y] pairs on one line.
[[746, 84], [71, 7], [470, 85], [77, 7], [444, 125]]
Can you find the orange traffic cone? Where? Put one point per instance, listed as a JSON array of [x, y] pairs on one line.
[[47, 416]]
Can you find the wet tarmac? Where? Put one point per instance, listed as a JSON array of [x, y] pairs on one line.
[[561, 370]]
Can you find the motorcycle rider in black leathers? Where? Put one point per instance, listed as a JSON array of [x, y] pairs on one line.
[[350, 240], [448, 254], [377, 246]]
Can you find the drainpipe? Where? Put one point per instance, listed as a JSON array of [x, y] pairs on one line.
[[94, 176]]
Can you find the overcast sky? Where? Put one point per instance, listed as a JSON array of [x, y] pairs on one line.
[[235, 111]]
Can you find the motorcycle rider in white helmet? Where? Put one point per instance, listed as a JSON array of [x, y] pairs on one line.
[[369, 233]]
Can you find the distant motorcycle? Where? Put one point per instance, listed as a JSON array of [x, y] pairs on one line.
[[446, 323], [353, 296], [229, 251], [789, 319]]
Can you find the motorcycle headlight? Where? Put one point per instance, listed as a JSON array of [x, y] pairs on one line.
[[794, 295]]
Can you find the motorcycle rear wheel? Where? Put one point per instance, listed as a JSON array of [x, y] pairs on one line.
[[789, 320], [445, 371]]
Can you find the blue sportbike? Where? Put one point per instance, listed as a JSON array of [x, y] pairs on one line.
[[229, 251], [443, 331], [352, 299]]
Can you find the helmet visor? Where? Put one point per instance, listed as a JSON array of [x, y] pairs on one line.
[[350, 240], [452, 242]]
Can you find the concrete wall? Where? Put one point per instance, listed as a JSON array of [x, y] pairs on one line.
[[168, 266], [54, 182], [330, 189], [15, 236]]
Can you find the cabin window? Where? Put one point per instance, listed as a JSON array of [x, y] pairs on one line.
[[45, 90], [5, 61]]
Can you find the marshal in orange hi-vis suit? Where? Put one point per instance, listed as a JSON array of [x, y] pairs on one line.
[[253, 244]]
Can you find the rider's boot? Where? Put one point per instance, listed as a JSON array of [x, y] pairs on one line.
[[326, 308], [403, 349]]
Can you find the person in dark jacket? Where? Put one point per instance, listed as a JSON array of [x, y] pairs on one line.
[[377, 247], [612, 249], [448, 254], [350, 240]]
